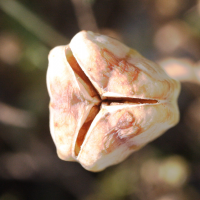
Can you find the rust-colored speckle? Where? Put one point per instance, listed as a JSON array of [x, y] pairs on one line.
[[64, 95], [56, 124], [107, 114], [135, 147], [60, 139]]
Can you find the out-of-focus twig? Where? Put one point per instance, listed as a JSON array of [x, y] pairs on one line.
[[183, 70], [16, 117], [32, 23], [85, 16]]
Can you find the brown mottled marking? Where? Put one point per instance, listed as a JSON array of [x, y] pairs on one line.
[[123, 66], [115, 63], [125, 121], [115, 138], [75, 99], [64, 95], [110, 58], [64, 102]]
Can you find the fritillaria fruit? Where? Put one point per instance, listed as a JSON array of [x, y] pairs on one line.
[[107, 100]]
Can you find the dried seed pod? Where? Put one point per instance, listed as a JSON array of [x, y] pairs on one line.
[[107, 100]]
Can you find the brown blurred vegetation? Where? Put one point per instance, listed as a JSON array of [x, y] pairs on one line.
[[161, 30]]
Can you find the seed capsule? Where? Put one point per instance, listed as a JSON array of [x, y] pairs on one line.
[[107, 100]]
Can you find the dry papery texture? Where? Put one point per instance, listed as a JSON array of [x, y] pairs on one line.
[[107, 100]]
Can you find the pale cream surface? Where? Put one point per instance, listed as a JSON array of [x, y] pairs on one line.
[[70, 103], [143, 78], [106, 138], [118, 129]]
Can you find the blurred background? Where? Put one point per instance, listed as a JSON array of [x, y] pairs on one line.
[[165, 31]]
